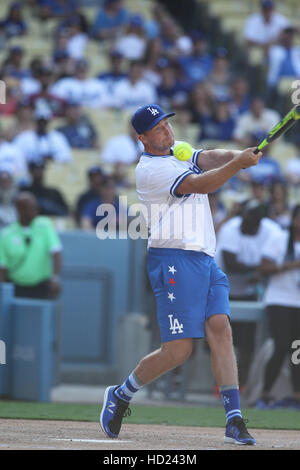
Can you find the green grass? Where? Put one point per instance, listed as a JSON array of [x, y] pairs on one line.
[[168, 415]]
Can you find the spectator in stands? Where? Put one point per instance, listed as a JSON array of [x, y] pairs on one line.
[[258, 192], [110, 21], [107, 194], [60, 44], [30, 83], [197, 65], [45, 97], [41, 144], [152, 60], [200, 102], [175, 42], [78, 129], [281, 264], [79, 17], [219, 125], [219, 79], [267, 170], [80, 88], [13, 63], [115, 73], [123, 148], [278, 206], [23, 119], [257, 119], [8, 192], [263, 29], [30, 252], [14, 24], [171, 92], [76, 38], [239, 96], [283, 58], [134, 91], [152, 24], [49, 9], [239, 250], [50, 201], [95, 180], [63, 65], [132, 44], [121, 177], [12, 159], [218, 210]]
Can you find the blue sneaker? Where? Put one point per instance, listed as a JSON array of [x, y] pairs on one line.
[[288, 403], [113, 411], [236, 432], [264, 404]]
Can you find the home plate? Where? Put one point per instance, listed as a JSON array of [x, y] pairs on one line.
[[96, 441]]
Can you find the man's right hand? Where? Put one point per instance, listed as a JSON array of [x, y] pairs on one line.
[[248, 158]]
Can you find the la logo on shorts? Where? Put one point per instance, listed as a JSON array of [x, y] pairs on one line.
[[175, 327]]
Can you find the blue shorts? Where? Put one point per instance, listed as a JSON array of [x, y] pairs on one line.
[[189, 288]]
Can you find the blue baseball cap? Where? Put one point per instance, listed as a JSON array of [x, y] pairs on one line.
[[146, 117]]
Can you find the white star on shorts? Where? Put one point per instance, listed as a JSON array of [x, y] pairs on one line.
[[172, 269], [171, 296]]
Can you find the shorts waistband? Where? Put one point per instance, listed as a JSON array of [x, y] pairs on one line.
[[178, 251]]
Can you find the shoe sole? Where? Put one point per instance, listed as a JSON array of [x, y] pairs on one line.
[[102, 412], [231, 440]]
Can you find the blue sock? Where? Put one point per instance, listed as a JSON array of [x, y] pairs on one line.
[[129, 387], [231, 401]]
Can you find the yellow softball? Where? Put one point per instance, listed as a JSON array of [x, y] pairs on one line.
[[183, 151]]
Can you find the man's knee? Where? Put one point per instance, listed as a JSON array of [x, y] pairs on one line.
[[178, 351]]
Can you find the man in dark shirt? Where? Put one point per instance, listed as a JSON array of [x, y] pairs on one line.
[[95, 178], [50, 200], [78, 129]]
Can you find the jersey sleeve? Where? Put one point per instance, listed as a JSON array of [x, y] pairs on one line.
[[165, 179]]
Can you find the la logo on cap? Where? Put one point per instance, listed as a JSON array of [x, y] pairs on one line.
[[153, 111]]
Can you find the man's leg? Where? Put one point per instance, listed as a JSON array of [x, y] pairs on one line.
[[116, 400], [223, 361], [224, 367]]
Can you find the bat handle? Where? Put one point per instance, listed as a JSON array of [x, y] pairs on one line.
[[256, 151]]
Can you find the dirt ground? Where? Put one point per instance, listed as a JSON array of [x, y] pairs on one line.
[[69, 435]]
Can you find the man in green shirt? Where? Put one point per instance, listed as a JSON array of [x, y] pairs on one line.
[[30, 252]]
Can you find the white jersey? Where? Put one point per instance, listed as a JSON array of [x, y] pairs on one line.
[[173, 220], [283, 288]]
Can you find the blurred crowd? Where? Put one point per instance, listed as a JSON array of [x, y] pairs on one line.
[[156, 59]]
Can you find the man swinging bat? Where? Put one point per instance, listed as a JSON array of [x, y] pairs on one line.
[[191, 291]]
